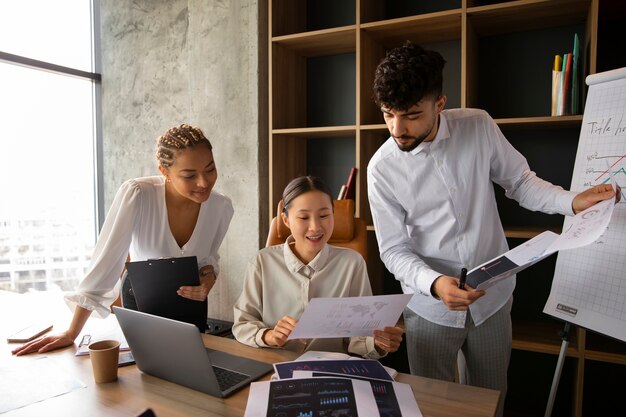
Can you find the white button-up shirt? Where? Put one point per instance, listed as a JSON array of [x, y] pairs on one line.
[[434, 208]]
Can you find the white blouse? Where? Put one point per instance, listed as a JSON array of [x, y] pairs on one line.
[[137, 224]]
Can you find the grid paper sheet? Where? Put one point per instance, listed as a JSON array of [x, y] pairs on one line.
[[589, 285]]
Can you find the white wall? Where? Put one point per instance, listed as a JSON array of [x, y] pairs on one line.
[[166, 62]]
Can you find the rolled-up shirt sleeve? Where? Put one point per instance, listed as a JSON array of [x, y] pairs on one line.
[[100, 287]]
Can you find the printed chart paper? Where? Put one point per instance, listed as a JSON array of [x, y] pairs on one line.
[[316, 355], [367, 368], [581, 230], [309, 397], [349, 316], [392, 398]]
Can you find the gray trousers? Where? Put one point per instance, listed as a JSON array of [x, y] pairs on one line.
[[433, 349]]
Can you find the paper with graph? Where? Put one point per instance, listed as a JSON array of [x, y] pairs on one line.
[[584, 228], [589, 285], [349, 316]]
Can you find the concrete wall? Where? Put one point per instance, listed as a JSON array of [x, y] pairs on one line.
[[166, 62]]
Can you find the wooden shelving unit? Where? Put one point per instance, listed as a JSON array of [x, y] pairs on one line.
[[527, 232], [322, 120], [539, 337]]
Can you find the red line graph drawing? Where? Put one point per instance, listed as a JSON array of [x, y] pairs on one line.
[[606, 171]]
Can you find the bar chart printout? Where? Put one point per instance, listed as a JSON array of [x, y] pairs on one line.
[[589, 285], [311, 397]]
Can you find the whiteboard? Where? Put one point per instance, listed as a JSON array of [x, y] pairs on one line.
[[589, 285]]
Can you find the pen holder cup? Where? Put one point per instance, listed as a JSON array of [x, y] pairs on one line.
[[104, 356]]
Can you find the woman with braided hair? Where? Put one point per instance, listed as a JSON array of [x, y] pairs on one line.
[[171, 215]]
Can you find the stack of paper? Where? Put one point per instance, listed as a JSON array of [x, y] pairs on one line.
[[331, 387], [329, 383]]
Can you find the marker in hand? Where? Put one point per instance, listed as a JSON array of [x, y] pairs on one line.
[[462, 278]]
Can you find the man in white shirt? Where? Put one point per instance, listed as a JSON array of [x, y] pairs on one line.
[[434, 210]]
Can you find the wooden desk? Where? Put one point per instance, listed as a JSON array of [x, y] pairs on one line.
[[135, 391]]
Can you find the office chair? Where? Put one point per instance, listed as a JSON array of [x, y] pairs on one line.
[[349, 232]]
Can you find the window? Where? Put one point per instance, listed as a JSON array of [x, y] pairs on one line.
[[48, 192]]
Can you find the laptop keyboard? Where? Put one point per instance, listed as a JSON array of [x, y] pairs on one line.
[[227, 379]]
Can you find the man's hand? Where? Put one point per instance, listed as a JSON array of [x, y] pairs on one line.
[[594, 195], [278, 335], [447, 289], [200, 292]]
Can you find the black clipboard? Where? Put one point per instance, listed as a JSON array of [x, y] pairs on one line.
[[155, 282]]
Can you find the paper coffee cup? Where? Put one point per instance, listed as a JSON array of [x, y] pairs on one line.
[[104, 356]]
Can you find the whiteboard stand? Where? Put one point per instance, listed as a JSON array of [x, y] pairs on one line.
[[565, 337]]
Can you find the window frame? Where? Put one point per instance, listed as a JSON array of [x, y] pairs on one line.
[[96, 78], [96, 82]]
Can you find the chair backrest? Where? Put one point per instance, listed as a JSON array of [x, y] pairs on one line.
[[349, 232]]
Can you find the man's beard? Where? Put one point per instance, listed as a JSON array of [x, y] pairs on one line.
[[412, 145], [416, 139]]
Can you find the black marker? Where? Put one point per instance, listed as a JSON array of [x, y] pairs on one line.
[[462, 278]]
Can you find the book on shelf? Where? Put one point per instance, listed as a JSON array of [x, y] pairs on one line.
[[351, 185], [566, 82], [557, 76], [342, 192], [575, 95], [560, 111]]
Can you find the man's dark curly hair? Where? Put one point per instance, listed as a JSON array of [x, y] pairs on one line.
[[406, 75]]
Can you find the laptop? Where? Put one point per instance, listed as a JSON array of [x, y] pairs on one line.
[[155, 282], [174, 351]]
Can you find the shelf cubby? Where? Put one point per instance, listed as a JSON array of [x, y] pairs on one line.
[[298, 16], [377, 10]]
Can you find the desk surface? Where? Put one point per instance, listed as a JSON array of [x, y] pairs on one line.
[[135, 391]]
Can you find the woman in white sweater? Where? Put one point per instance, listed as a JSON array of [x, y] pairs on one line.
[[175, 214], [282, 279]]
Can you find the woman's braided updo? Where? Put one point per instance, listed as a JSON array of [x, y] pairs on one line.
[[177, 139]]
